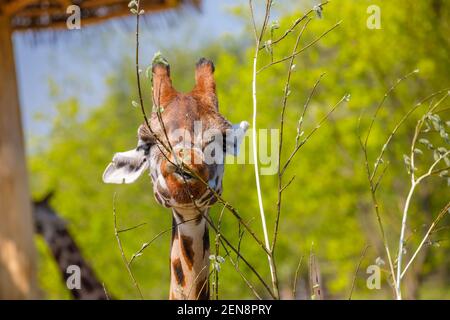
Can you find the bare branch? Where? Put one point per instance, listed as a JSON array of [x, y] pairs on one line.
[[119, 242], [363, 254], [302, 49]]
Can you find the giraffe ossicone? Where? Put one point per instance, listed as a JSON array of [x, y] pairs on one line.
[[187, 176]]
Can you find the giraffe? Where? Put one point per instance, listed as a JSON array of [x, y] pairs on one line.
[[65, 251], [187, 176]]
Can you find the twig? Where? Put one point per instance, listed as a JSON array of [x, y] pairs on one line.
[[280, 138], [119, 242], [302, 49], [363, 254], [294, 152], [147, 244], [430, 229], [305, 108], [132, 228], [287, 184], [371, 174], [138, 78], [294, 25], [217, 243], [386, 95], [247, 282], [258, 39], [414, 184]]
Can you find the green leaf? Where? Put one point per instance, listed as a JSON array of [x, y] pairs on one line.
[[447, 160], [436, 155], [275, 25], [406, 159], [268, 46], [436, 121]]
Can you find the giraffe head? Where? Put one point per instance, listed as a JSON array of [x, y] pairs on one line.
[[187, 171]]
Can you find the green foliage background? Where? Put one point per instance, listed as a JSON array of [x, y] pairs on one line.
[[328, 203]]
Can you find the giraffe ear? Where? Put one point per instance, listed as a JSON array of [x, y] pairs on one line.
[[234, 137], [127, 167]]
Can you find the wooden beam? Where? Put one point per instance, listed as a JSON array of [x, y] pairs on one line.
[[36, 12], [13, 7], [124, 11], [64, 4], [17, 252]]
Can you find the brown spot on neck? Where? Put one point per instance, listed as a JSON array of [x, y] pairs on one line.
[[187, 250], [178, 271]]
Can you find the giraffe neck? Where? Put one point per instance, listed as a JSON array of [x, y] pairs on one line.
[[189, 256], [67, 254]]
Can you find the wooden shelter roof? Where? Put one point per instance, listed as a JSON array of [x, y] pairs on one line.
[[45, 14]]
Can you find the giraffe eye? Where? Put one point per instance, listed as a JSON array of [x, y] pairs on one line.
[[184, 174]]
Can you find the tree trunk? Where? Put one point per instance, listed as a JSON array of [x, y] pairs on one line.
[[17, 252]]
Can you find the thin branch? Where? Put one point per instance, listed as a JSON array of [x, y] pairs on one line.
[[147, 244], [363, 254], [247, 282], [294, 25], [287, 184], [119, 242], [441, 214], [305, 108], [370, 175], [280, 139], [217, 243], [302, 49], [386, 95], [132, 228], [414, 184], [272, 266], [399, 124], [294, 152]]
